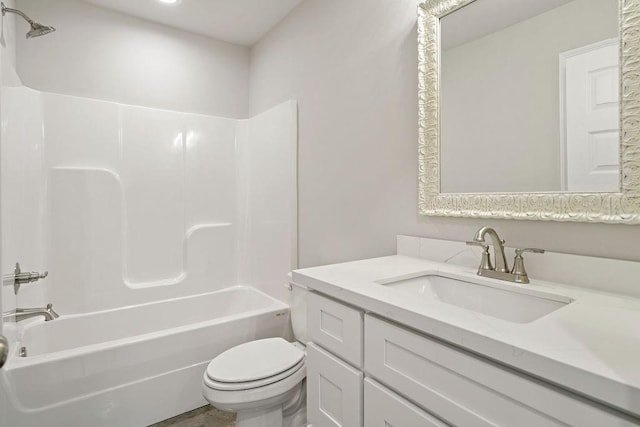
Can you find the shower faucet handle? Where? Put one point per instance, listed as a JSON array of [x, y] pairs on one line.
[[19, 278]]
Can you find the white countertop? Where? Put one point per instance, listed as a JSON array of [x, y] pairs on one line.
[[591, 346]]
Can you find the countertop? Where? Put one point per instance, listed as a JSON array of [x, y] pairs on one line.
[[591, 346]]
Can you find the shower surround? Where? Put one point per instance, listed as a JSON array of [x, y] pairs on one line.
[[128, 207]]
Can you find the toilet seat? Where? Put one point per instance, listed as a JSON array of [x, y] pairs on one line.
[[254, 364], [235, 400], [247, 385]]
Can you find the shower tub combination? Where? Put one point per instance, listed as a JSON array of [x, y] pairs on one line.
[[132, 366], [143, 298]]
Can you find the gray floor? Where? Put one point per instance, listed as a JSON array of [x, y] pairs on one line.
[[207, 416]]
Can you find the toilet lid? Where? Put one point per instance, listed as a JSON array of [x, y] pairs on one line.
[[254, 361]]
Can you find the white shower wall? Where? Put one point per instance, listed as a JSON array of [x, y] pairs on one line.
[[135, 204], [23, 189], [268, 206]]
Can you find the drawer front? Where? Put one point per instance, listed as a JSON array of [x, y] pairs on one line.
[[465, 390], [336, 327], [334, 390], [383, 408]]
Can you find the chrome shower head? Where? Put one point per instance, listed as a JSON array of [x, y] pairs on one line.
[[36, 28]]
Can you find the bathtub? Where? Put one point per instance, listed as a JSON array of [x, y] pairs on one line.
[[132, 366]]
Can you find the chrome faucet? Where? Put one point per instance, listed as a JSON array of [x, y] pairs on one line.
[[517, 274], [20, 314]]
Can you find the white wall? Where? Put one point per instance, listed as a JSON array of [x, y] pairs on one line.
[[101, 54], [352, 65]]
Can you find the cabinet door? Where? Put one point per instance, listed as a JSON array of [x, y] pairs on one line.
[[383, 408], [336, 327], [334, 390]]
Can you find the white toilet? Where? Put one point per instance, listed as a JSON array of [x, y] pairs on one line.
[[263, 381]]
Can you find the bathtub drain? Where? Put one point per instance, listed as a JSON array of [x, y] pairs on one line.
[[23, 352]]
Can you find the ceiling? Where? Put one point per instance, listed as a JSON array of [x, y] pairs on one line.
[[241, 22], [484, 17]]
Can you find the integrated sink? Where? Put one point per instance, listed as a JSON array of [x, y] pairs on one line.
[[516, 305]]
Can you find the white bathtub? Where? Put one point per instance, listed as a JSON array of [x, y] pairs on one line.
[[132, 366]]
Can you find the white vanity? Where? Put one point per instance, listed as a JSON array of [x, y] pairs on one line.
[[408, 341]]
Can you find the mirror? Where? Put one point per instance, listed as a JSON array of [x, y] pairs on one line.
[[526, 112], [504, 78]]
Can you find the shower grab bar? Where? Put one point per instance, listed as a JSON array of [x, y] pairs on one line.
[[19, 278]]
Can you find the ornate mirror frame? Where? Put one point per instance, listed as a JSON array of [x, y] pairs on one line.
[[621, 207]]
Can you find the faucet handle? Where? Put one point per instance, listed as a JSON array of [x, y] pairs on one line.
[[518, 270], [481, 244], [519, 252], [485, 262], [19, 277]]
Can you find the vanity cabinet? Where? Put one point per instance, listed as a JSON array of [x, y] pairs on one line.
[[365, 370], [334, 390], [466, 390], [337, 392]]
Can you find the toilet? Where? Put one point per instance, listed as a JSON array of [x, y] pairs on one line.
[[263, 381]]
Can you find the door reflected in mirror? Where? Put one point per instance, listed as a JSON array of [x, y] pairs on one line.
[[530, 97]]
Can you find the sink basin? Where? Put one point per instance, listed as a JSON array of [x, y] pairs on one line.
[[518, 305]]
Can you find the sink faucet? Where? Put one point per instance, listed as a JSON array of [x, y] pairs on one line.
[[501, 271], [20, 314]]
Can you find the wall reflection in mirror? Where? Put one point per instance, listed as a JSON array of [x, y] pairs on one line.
[[529, 97]]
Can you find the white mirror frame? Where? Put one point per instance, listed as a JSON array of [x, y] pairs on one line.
[[621, 207]]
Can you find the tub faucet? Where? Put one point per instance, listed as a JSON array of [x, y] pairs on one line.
[[20, 314]]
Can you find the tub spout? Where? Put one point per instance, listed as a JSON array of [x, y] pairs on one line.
[[20, 314]]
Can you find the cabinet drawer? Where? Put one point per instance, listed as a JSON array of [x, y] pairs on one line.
[[336, 327], [334, 390], [466, 390], [384, 408]]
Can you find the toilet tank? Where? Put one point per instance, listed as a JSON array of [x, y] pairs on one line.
[[299, 312]]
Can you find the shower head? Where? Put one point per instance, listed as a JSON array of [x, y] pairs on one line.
[[36, 28]]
